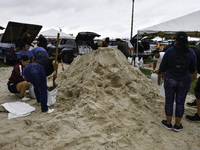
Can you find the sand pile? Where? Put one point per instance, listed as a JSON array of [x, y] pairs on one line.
[[112, 101], [103, 103]]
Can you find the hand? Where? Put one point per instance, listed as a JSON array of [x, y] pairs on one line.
[[54, 76]]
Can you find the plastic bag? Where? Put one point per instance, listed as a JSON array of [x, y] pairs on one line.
[[51, 97], [31, 92], [162, 90]]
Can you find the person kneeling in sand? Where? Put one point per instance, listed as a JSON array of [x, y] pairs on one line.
[[16, 82]]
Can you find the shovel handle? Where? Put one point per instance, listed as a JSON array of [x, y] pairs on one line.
[[56, 56]]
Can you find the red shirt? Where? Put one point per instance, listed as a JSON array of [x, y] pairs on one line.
[[16, 75]]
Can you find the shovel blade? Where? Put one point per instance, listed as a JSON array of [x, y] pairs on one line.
[[53, 87]]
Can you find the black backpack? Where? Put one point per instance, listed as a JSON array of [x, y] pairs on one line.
[[179, 65]]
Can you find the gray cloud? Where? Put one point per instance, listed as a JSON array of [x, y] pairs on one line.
[[106, 17]]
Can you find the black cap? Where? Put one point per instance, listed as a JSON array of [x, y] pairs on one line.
[[182, 37], [155, 51]]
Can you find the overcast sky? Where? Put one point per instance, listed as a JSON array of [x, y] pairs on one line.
[[110, 18]]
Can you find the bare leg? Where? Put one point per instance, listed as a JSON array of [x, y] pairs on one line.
[[22, 87], [169, 119], [178, 121]]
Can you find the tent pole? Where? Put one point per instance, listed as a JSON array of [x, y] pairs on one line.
[[132, 19]]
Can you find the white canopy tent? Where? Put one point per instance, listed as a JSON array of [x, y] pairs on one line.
[[189, 23], [52, 33]]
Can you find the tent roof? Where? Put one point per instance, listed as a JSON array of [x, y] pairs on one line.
[[52, 33], [189, 23]]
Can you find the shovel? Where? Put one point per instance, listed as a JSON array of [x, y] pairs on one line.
[[55, 69]]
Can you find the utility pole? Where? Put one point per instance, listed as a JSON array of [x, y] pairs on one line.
[[132, 19]]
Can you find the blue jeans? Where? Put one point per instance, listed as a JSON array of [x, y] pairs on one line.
[[179, 89], [35, 74]]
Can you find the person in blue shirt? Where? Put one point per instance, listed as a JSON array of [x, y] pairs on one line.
[[25, 51], [36, 74], [178, 65], [39, 53]]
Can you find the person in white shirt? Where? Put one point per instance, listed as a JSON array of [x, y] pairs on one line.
[[157, 58]]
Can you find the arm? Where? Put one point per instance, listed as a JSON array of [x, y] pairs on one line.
[[154, 64], [194, 75]]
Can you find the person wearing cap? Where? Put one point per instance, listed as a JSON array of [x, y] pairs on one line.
[[157, 58], [104, 43], [178, 65], [123, 47]]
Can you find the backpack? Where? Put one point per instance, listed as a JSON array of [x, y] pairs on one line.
[[179, 65]]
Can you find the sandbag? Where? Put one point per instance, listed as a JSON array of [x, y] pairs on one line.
[[31, 92], [162, 90], [51, 97], [154, 78]]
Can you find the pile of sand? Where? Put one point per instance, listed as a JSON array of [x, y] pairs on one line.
[[103, 102]]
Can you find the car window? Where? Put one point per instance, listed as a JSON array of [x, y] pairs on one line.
[[63, 41], [70, 41]]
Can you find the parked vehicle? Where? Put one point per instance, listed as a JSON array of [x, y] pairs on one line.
[[11, 39], [66, 48], [69, 48], [8, 52], [142, 47]]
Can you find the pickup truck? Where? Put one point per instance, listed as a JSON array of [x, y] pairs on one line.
[[8, 52]]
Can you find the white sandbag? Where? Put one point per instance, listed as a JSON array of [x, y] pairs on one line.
[[162, 90], [130, 59], [137, 63], [174, 108], [141, 62], [31, 92], [51, 97], [154, 78]]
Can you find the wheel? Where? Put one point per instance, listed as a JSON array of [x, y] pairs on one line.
[[67, 58], [5, 59]]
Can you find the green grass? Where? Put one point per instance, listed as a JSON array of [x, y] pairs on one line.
[[3, 65], [147, 73]]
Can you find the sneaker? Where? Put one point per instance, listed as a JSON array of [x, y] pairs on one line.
[[178, 128], [167, 126], [192, 104], [195, 118], [50, 111], [24, 98]]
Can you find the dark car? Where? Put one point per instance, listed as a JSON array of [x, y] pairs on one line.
[[69, 48], [11, 39], [66, 49]]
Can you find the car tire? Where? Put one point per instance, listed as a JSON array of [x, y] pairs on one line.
[[67, 58], [5, 59]]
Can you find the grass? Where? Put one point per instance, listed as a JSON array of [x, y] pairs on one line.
[[2, 64]]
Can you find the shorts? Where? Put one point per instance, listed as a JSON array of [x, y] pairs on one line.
[[12, 88]]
